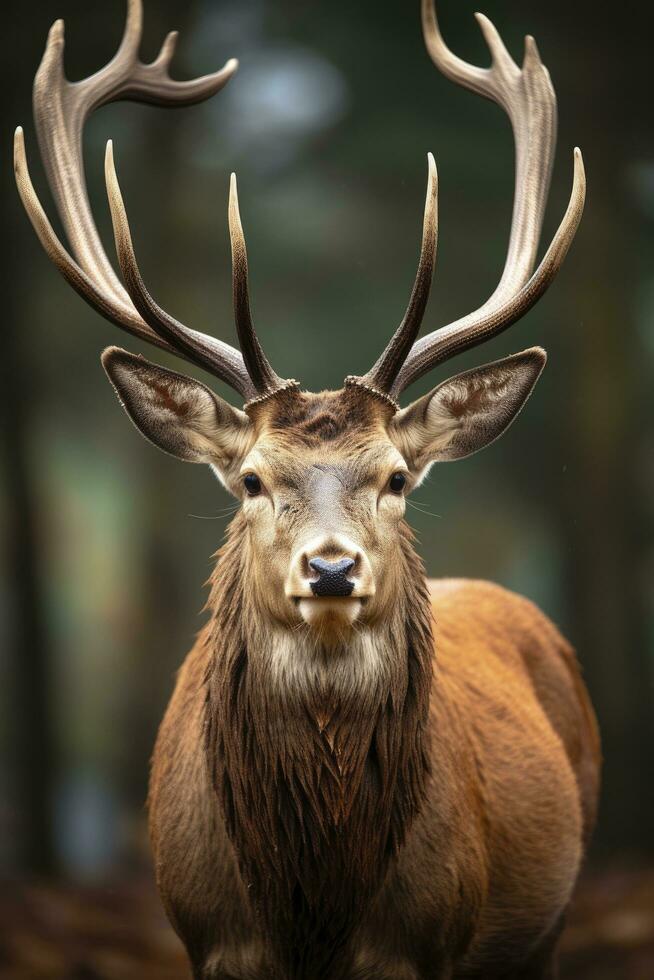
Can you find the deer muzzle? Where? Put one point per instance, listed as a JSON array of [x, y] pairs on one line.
[[330, 576]]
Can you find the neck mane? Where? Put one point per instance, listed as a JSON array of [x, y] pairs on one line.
[[318, 757]]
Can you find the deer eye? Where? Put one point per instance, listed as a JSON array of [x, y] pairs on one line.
[[397, 482], [252, 484]]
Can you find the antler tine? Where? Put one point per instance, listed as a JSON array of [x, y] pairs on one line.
[[60, 111], [384, 372], [450, 64], [262, 374], [124, 314], [216, 357]]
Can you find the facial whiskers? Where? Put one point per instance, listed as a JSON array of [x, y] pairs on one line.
[[422, 510], [215, 517]]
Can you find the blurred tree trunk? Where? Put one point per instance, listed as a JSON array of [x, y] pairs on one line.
[[32, 752], [604, 417], [28, 655]]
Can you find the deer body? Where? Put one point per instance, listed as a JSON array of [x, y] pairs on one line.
[[479, 886], [408, 799], [358, 776]]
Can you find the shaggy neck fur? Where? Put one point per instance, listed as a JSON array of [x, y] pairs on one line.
[[318, 757]]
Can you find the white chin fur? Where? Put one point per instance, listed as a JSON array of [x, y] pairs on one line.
[[319, 612]]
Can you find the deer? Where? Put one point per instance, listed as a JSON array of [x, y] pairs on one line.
[[362, 773]]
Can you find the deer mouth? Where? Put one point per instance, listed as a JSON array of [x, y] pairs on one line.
[[326, 611], [307, 596]]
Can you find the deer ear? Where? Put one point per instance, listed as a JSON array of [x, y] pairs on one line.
[[466, 412], [178, 414]]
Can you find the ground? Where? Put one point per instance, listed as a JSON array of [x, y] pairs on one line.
[[118, 931]]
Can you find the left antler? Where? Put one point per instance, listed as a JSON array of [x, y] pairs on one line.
[[60, 110], [529, 100]]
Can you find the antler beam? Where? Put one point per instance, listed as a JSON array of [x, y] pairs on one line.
[[527, 96]]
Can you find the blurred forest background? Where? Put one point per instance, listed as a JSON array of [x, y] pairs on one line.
[[107, 542]]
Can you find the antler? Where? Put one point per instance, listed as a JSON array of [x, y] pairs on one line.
[[380, 378], [529, 100], [61, 109]]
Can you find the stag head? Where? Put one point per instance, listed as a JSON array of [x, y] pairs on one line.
[[322, 478]]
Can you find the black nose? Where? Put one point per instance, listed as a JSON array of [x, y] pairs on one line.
[[332, 578]]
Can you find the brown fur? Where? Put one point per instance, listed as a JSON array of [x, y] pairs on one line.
[[327, 415], [315, 810], [410, 803], [180, 408]]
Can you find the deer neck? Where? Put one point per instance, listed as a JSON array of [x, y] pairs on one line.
[[318, 757]]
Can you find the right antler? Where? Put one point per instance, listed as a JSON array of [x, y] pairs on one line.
[[527, 96], [61, 109]]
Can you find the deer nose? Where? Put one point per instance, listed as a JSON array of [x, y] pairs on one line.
[[332, 577], [329, 566]]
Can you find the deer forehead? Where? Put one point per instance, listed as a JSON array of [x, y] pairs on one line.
[[302, 437]]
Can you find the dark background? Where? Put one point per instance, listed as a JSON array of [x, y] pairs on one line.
[[327, 122]]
